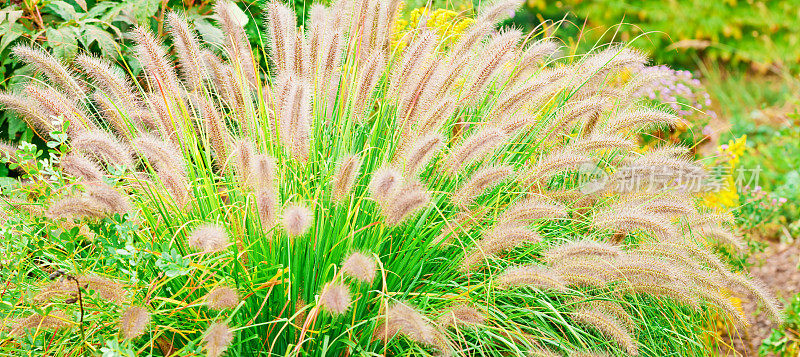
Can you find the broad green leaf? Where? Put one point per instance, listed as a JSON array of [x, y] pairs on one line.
[[63, 41], [64, 10], [143, 9], [10, 15], [238, 14], [16, 126], [10, 32], [210, 33], [82, 4], [104, 39], [107, 11]]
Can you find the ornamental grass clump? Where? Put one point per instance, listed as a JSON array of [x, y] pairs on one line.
[[368, 190]]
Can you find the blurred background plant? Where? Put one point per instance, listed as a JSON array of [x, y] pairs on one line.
[[756, 33], [785, 342]]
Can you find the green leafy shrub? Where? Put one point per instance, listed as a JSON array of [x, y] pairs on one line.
[[366, 192], [785, 341], [760, 33]]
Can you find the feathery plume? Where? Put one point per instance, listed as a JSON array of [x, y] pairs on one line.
[[602, 141], [55, 104], [359, 266], [133, 321], [236, 41], [432, 119], [640, 118], [482, 180], [153, 58], [557, 161], [297, 219], [498, 240], [242, 152], [335, 298], [55, 289], [539, 277], [295, 119], [108, 289], [675, 151], [625, 220], [368, 77], [75, 207], [534, 55], [582, 110], [263, 172], [222, 297], [461, 315], [613, 58], [474, 148], [175, 182], [613, 309], [581, 248], [188, 49], [422, 150], [668, 204], [664, 289], [491, 62], [723, 303], [208, 238], [609, 326], [30, 111], [51, 67], [217, 339], [107, 197], [281, 29], [421, 48], [401, 206], [110, 80], [723, 236], [215, 127], [111, 113], [419, 91], [347, 171], [586, 272], [498, 10], [760, 292], [79, 166], [104, 146], [55, 320], [643, 269], [161, 154], [385, 181], [267, 205], [533, 207], [312, 50], [405, 320], [513, 99]]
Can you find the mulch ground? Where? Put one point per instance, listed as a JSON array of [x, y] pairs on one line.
[[777, 267]]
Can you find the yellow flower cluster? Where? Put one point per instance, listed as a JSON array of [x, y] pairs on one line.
[[448, 24], [728, 196]]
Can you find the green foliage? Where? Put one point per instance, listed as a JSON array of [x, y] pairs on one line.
[[765, 109], [761, 33], [785, 340]]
